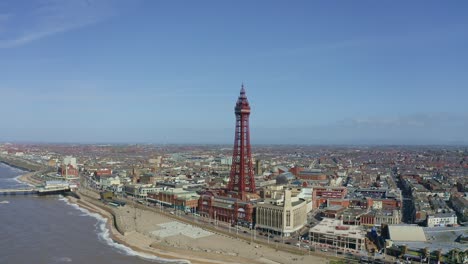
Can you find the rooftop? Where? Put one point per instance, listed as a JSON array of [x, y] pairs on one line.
[[335, 227], [409, 233]]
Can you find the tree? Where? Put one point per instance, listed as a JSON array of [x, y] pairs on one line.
[[454, 255], [426, 252], [404, 250], [439, 254]]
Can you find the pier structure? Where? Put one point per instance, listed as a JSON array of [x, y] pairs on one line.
[[39, 191]]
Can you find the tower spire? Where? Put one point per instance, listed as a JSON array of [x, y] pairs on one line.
[[241, 178]]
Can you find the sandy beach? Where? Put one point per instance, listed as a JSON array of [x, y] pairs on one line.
[[150, 232], [29, 179]]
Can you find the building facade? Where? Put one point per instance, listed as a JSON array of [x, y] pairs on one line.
[[177, 198], [281, 215], [321, 195], [226, 209], [333, 233], [443, 219]]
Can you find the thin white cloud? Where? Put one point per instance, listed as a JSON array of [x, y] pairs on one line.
[[50, 17]]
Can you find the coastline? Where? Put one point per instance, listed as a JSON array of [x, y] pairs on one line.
[[217, 248], [136, 241], [124, 229], [28, 179]]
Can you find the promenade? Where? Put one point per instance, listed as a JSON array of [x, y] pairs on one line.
[[138, 226]]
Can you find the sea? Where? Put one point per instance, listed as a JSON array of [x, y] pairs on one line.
[[48, 229]]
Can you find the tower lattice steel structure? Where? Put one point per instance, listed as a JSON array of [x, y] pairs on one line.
[[241, 179]]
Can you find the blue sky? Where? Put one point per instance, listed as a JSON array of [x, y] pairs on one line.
[[316, 72]]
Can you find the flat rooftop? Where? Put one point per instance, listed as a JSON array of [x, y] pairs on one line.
[[335, 227], [409, 233], [443, 238]]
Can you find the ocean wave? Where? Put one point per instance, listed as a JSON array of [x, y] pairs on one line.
[[16, 179], [104, 236], [62, 259], [10, 168]]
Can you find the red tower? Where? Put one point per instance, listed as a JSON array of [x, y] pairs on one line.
[[241, 179]]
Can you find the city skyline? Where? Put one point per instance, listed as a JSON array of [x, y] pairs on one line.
[[117, 72]]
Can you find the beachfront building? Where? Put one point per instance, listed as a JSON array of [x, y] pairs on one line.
[[177, 198], [281, 214], [56, 184], [342, 237], [140, 191], [222, 207]]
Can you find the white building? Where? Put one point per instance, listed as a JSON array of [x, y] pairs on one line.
[[443, 219], [141, 190], [69, 160], [281, 214], [226, 161], [344, 237], [109, 180]]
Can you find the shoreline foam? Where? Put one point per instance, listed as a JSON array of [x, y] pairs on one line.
[[131, 245], [104, 235]]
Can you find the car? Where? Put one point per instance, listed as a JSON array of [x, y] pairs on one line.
[[288, 243], [324, 249], [298, 244], [306, 246], [277, 241], [245, 232], [364, 259]]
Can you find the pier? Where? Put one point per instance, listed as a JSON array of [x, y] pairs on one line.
[[39, 191]]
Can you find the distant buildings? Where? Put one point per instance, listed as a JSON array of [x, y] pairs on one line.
[[321, 196], [68, 168], [258, 167], [460, 205]]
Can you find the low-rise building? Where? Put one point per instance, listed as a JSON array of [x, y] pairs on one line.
[[333, 232], [460, 204], [140, 191], [442, 219], [379, 217], [176, 197]]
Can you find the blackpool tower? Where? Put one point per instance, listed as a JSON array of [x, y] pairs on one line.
[[241, 178]]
